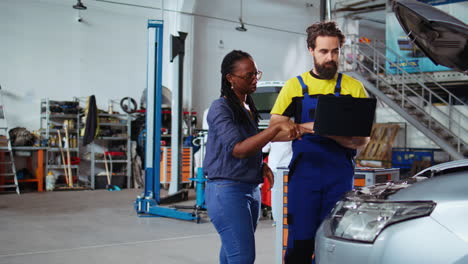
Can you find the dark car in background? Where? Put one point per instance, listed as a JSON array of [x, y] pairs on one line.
[[265, 98]]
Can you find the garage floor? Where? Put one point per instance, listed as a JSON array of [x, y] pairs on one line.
[[102, 227]]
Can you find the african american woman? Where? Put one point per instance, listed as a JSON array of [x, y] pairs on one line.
[[233, 161]]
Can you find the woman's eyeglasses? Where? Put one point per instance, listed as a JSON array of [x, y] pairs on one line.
[[250, 76]]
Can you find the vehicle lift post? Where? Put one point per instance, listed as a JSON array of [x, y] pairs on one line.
[[148, 203]]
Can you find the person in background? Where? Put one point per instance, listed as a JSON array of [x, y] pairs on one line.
[[322, 167], [233, 161]]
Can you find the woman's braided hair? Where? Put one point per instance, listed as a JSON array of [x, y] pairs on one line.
[[228, 65]]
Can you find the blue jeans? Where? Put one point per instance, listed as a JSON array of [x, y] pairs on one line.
[[234, 209]]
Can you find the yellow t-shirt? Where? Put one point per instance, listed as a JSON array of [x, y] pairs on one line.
[[291, 93]]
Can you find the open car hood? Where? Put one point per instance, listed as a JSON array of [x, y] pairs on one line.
[[379, 191], [440, 36], [383, 191]]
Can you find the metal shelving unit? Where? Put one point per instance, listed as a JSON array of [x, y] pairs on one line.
[[54, 115], [120, 135]]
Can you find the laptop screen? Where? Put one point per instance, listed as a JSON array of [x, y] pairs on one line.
[[344, 116]]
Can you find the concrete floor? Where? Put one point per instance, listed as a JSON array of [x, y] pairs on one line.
[[102, 227]]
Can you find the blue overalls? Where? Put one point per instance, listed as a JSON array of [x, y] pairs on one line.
[[321, 171]]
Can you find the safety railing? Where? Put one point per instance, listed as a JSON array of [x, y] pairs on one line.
[[370, 60]]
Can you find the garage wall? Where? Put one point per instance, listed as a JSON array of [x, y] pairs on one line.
[[275, 38], [45, 52]]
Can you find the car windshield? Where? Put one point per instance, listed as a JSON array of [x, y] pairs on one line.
[[444, 168]]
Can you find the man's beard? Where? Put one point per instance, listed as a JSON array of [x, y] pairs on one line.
[[327, 70]]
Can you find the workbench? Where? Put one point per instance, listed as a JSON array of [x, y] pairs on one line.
[[36, 155], [364, 176]]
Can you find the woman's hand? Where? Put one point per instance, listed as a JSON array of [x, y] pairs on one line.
[[307, 128], [290, 129], [267, 173]]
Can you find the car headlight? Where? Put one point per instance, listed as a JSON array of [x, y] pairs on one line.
[[364, 220]]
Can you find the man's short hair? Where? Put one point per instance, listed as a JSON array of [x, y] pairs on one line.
[[323, 29]]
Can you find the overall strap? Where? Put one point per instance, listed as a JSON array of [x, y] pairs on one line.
[[338, 85], [304, 86]]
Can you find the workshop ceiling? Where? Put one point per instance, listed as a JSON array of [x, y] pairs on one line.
[[371, 13], [256, 12]]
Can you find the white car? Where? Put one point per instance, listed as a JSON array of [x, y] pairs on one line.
[[421, 220]]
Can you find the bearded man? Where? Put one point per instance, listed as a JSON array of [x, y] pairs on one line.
[[322, 167]]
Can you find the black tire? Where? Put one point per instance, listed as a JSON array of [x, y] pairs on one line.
[[128, 105]]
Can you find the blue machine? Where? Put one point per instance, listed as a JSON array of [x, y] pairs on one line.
[[200, 179], [148, 203]]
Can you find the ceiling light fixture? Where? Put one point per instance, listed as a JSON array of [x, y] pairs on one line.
[[79, 6], [241, 28]]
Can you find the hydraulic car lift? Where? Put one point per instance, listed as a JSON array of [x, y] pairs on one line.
[[148, 203]]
